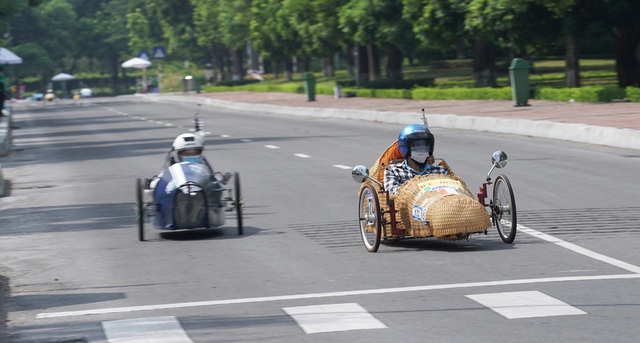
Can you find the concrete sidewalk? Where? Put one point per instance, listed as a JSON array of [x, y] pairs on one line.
[[615, 124]]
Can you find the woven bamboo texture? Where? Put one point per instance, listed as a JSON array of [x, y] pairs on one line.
[[388, 156], [441, 206]]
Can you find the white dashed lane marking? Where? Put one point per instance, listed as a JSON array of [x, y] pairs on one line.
[[302, 155], [246, 140], [340, 166], [333, 317], [516, 305], [145, 330], [271, 147]]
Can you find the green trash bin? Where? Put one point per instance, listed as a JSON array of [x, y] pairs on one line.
[[309, 86], [198, 82], [519, 75]]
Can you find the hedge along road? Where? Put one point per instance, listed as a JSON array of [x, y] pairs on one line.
[[76, 250]]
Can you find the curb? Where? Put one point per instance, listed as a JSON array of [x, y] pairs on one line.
[[579, 133]]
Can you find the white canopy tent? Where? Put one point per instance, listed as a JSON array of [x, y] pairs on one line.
[[8, 57], [139, 63], [63, 77]]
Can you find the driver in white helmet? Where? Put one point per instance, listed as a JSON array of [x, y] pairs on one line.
[[187, 147]]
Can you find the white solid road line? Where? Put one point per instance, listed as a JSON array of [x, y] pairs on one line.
[[549, 238], [335, 294], [580, 250]]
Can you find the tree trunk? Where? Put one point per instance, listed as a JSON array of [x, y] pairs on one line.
[[484, 64], [572, 64], [236, 57], [113, 82], [460, 48], [306, 64], [362, 65], [628, 56], [394, 63], [287, 66], [374, 62], [350, 62], [327, 67]]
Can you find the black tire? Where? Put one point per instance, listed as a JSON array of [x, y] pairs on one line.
[[140, 209], [369, 217], [504, 209], [238, 203]]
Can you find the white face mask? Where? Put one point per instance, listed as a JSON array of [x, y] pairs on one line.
[[419, 156], [191, 159], [419, 151]]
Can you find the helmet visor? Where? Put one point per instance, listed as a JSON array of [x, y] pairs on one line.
[[190, 152], [420, 145]]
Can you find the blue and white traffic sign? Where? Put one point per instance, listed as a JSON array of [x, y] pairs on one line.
[[144, 55], [159, 52]]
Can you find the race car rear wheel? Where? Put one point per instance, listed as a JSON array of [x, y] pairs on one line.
[[369, 218], [140, 209], [504, 209], [238, 203]]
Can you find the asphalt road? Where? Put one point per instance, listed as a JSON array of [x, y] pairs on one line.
[[69, 249]]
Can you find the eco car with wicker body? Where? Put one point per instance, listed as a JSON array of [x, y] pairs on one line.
[[434, 205]]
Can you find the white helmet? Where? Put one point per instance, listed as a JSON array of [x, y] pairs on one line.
[[187, 144]]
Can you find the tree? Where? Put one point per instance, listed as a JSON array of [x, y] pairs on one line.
[[177, 27], [60, 21], [441, 24], [316, 23], [207, 31], [357, 21], [235, 18], [437, 23], [10, 8], [395, 36], [623, 16], [272, 34]]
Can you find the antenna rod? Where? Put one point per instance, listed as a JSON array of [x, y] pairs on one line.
[[424, 119], [197, 118]]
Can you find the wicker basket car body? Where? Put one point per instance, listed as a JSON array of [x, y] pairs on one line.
[[434, 205]]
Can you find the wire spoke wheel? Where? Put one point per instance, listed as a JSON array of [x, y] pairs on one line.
[[504, 209], [369, 218]]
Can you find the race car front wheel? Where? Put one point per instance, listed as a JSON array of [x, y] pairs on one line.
[[369, 217], [504, 209], [238, 200], [140, 209]]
